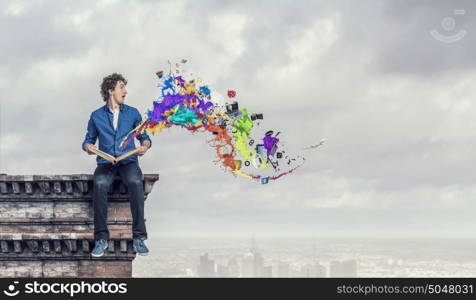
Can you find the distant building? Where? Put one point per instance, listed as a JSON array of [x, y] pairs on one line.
[[258, 264], [189, 272], [248, 265], [307, 271], [312, 271], [253, 264], [206, 268], [346, 268], [283, 269], [267, 272], [223, 271], [320, 270], [233, 268]]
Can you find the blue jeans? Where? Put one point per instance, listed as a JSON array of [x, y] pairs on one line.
[[132, 177]]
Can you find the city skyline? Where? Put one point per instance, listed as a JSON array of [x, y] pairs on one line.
[[238, 258]]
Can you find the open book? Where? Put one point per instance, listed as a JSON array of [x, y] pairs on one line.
[[111, 158]]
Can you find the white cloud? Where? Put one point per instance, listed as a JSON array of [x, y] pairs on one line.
[[15, 8]]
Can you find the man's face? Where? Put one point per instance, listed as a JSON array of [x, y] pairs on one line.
[[119, 92]]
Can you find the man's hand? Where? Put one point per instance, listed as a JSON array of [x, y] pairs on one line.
[[88, 148], [143, 150]]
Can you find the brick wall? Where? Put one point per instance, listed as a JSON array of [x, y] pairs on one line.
[[68, 268], [46, 227]]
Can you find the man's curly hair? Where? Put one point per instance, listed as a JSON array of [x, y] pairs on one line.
[[109, 83]]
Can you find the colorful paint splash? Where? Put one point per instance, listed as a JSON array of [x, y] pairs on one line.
[[187, 103]]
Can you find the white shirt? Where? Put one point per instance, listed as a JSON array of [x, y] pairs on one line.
[[115, 112]]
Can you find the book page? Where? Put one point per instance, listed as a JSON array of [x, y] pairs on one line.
[[127, 154], [104, 155]]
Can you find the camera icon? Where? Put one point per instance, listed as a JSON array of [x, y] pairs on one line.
[[449, 25], [10, 291]]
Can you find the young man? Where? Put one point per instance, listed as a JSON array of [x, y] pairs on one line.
[[110, 124]]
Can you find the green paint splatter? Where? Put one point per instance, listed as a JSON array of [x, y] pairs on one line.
[[242, 128]]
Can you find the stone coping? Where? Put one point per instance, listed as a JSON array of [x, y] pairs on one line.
[[57, 185], [63, 248], [70, 177]]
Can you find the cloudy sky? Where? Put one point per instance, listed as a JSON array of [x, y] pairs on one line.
[[394, 102]]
